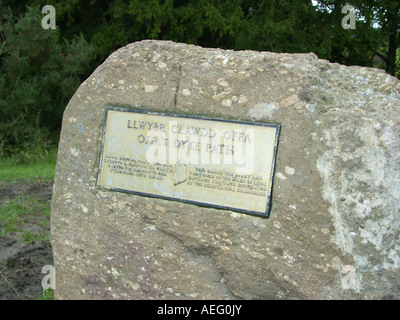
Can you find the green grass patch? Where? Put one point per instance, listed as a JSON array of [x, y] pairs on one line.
[[11, 213], [29, 167], [47, 295], [30, 237], [15, 212]]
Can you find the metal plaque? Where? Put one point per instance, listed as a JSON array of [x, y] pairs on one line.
[[210, 162]]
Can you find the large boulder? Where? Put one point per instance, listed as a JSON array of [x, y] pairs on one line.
[[333, 231]]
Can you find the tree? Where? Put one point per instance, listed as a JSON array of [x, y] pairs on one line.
[[40, 70], [386, 14], [377, 29], [39, 74]]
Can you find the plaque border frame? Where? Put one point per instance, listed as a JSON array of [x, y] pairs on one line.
[[265, 214]]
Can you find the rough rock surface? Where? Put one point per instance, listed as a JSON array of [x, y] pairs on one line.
[[334, 227]]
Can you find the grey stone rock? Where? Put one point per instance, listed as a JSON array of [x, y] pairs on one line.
[[334, 227]]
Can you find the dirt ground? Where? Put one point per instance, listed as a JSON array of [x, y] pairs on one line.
[[21, 263]]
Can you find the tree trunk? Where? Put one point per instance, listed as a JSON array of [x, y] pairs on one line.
[[391, 55]]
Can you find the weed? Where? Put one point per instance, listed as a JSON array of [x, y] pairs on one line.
[[47, 295], [10, 264]]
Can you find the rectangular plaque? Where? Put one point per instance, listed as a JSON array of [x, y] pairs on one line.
[[210, 162]]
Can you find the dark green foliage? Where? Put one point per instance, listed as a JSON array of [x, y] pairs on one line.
[[40, 70], [377, 35], [39, 74], [268, 25]]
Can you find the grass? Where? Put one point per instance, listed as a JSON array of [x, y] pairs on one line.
[[17, 167], [23, 213], [47, 295], [29, 236], [15, 212]]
